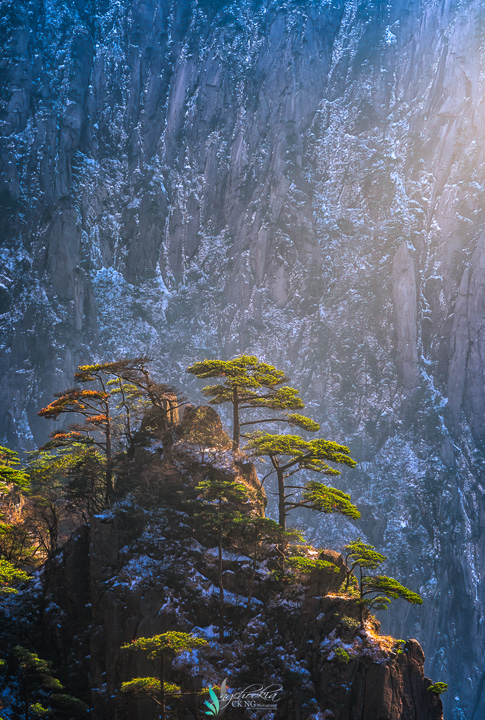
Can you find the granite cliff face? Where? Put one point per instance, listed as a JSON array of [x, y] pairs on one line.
[[301, 179]]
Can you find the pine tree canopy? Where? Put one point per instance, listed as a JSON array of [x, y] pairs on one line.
[[376, 591], [129, 391], [149, 686], [85, 402], [250, 384], [88, 373], [37, 682], [438, 688], [68, 704], [243, 371], [32, 665], [303, 422], [391, 587], [381, 602], [9, 576], [285, 398], [328, 500], [222, 502], [360, 553], [134, 373], [264, 529], [309, 454], [9, 457], [306, 565], [11, 476], [38, 710], [166, 643], [67, 439], [247, 375], [225, 490]]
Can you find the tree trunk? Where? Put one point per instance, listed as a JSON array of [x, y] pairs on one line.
[[236, 429], [281, 498], [127, 412], [163, 712], [361, 589], [108, 448], [109, 481], [53, 534], [221, 592], [109, 463]]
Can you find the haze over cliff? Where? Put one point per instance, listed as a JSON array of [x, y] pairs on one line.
[[303, 180]]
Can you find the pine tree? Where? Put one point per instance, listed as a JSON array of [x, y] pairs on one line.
[[289, 454], [97, 430], [375, 591], [361, 554], [222, 502], [63, 486], [10, 576], [131, 402], [260, 538], [45, 508], [135, 376], [12, 477], [108, 409], [15, 545], [41, 693], [162, 648], [250, 384]]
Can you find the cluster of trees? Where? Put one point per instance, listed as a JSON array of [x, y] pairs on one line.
[[79, 470], [61, 486], [15, 545], [72, 476], [40, 693], [161, 649], [251, 386], [111, 409]]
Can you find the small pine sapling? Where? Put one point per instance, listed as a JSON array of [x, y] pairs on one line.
[[12, 477], [40, 691], [10, 576], [162, 648], [376, 592], [437, 688]]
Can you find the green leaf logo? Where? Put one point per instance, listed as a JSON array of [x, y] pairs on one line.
[[217, 707], [214, 706]]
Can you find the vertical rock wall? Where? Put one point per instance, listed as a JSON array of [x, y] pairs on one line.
[[300, 179]]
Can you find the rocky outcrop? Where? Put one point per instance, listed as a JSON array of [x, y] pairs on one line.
[[197, 443], [203, 426], [141, 574], [396, 689], [300, 179]]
